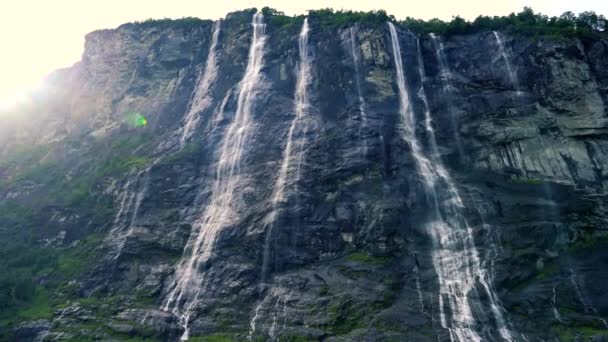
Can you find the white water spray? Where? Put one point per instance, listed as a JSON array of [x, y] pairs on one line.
[[221, 211], [455, 257]]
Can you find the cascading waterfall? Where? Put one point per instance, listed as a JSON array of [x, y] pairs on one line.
[[362, 105], [293, 153], [445, 74], [455, 257], [202, 98], [274, 305], [505, 58], [221, 210], [134, 190]]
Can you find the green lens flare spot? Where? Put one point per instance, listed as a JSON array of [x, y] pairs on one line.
[[135, 119], [140, 121]]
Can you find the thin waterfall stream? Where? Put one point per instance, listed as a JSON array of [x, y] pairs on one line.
[[503, 55], [183, 297], [202, 98], [134, 190], [446, 77], [362, 105], [455, 257], [293, 156]]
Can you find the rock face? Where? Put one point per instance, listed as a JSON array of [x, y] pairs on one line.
[[521, 126]]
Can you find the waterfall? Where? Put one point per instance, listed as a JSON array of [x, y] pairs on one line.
[[362, 106], [47, 332], [445, 75], [221, 209], [134, 190], [505, 58], [293, 154], [274, 305], [289, 173], [202, 98], [556, 314], [130, 199], [455, 257]]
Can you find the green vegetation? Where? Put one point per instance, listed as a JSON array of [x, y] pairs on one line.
[[367, 259], [345, 315], [213, 338], [529, 181], [30, 275], [297, 338], [184, 22], [566, 333], [587, 25], [526, 22], [329, 17]]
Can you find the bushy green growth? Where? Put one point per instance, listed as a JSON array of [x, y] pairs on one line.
[[330, 17], [529, 181], [367, 259], [297, 338], [566, 333], [184, 22], [277, 18], [212, 338], [13, 213], [23, 296], [39, 306], [526, 22], [345, 315]]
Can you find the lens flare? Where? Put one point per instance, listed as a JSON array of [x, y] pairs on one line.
[[135, 119]]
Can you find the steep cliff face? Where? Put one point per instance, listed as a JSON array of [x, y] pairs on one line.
[[334, 183]]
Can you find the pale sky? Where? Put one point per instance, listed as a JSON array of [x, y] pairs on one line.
[[39, 36]]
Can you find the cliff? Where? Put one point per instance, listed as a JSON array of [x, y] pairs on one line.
[[253, 179]]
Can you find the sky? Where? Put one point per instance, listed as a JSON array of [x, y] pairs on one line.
[[39, 36]]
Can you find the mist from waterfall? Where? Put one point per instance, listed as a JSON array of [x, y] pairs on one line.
[[455, 257], [221, 210]]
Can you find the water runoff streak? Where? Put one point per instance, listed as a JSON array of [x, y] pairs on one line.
[[134, 190], [362, 105], [220, 212], [455, 257]]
